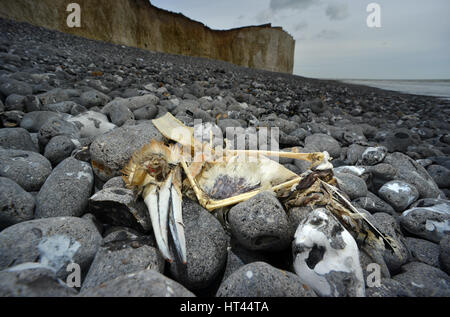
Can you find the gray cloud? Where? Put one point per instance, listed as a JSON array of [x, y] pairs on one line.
[[327, 34], [337, 11], [276, 5], [300, 26]]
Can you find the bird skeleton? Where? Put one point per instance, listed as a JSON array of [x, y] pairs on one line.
[[220, 178]]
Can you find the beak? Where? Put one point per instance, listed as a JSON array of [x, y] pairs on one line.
[[165, 208]]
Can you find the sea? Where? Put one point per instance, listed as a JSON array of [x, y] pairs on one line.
[[437, 88]]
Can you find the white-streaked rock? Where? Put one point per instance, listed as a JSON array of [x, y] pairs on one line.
[[325, 255]]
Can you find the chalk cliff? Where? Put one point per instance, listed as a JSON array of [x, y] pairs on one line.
[[137, 23]]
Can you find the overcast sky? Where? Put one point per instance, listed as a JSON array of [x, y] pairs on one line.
[[332, 36]]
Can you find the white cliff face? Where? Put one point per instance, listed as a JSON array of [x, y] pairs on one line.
[[325, 255], [137, 23]]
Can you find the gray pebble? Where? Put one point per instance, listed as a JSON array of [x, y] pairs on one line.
[[92, 124], [16, 205], [28, 169], [54, 127], [19, 243], [424, 280], [93, 98], [260, 279], [373, 155], [423, 251], [66, 191], [354, 153], [119, 207], [118, 113], [146, 113], [431, 223], [146, 283], [389, 226], [14, 102], [398, 194], [324, 142], [110, 263], [444, 254], [53, 96], [260, 223], [389, 288], [111, 151], [32, 280], [413, 173], [440, 175], [33, 121], [17, 139], [352, 185], [206, 248], [15, 87], [115, 182], [59, 148], [373, 204]]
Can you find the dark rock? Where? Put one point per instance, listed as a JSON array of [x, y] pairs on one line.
[[389, 226], [413, 173], [111, 262], [260, 279], [14, 102], [398, 141], [423, 251], [54, 127], [119, 207], [354, 153], [111, 151], [206, 247], [146, 113], [16, 205], [19, 243], [28, 169], [146, 283], [373, 204], [53, 96], [440, 175], [32, 103], [66, 191], [64, 106], [430, 223], [320, 260], [59, 148], [115, 182], [296, 215], [373, 155], [11, 119], [444, 254], [33, 121], [16, 139], [93, 98], [10, 87], [389, 288], [352, 185], [260, 223], [398, 194], [92, 124], [324, 142], [135, 103], [424, 280], [32, 280], [118, 113]]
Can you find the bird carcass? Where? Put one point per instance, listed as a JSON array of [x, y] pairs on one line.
[[220, 177]]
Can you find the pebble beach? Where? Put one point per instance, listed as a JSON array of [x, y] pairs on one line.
[[73, 111]]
